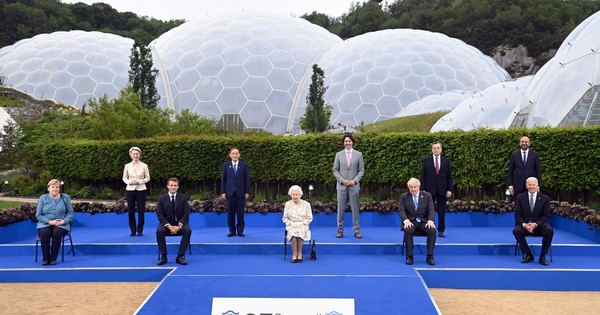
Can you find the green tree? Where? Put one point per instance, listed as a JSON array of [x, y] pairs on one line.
[[317, 114], [142, 76]]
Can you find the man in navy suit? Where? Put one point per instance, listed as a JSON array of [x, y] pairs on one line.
[[235, 188], [173, 211], [436, 179], [524, 163], [417, 214], [532, 214]]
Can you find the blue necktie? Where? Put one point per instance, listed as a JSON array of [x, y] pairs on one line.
[[235, 169], [524, 158], [416, 202]]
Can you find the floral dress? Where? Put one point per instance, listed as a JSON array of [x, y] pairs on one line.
[[297, 217]]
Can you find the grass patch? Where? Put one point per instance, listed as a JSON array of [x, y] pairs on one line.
[[10, 204], [11, 102], [419, 123]]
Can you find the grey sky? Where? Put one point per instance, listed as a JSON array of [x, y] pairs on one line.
[[192, 9]]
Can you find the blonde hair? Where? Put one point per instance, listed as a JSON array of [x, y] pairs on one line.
[[413, 181], [135, 149], [295, 187], [54, 182]]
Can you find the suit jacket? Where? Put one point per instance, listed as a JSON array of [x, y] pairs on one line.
[[235, 182], [519, 172], [355, 171], [425, 210], [541, 210], [436, 183], [166, 213]]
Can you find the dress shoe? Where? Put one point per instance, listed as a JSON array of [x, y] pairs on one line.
[[181, 260], [53, 262], [162, 260], [430, 261], [543, 260], [132, 234], [299, 260], [339, 234], [294, 261], [409, 260], [45, 263], [357, 235], [527, 259], [241, 234], [230, 234], [441, 234], [140, 234]]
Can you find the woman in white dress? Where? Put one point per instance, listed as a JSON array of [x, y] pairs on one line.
[[297, 215]]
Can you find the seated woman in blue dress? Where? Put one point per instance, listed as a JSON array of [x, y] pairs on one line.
[[297, 215], [55, 215]]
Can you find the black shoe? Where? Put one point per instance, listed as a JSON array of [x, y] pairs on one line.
[[241, 234], [441, 234], [53, 262], [132, 234], [409, 260], [181, 260], [300, 260], [45, 262], [294, 261], [230, 234], [162, 260], [543, 260], [527, 259], [430, 261], [140, 234]]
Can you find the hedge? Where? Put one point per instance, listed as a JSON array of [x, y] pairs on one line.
[[478, 157]]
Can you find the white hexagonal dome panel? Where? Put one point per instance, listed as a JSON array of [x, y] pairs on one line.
[[442, 102], [67, 67], [248, 63], [371, 77]]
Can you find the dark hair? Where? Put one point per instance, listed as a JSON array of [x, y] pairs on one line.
[[437, 142], [348, 135], [173, 179], [234, 148]]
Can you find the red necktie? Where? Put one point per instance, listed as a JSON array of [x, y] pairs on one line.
[[437, 166]]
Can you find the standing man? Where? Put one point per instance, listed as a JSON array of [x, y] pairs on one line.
[[235, 188], [173, 211], [532, 214], [436, 179], [524, 163], [417, 214], [348, 169]]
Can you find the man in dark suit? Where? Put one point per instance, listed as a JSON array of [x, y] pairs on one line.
[[532, 214], [417, 214], [235, 188], [436, 179], [173, 211], [348, 169], [524, 163]]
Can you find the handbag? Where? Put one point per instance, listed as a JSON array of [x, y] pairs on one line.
[[313, 253]]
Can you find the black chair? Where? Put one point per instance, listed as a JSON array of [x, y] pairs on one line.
[[417, 233], [38, 239], [169, 235], [533, 235]]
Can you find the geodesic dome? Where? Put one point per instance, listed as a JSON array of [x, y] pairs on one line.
[[492, 108], [442, 102], [5, 119], [241, 67], [566, 90], [371, 77], [67, 67]]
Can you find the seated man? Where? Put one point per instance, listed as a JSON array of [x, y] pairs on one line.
[[532, 213], [173, 211], [417, 214]]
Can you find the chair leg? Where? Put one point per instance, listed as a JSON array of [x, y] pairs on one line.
[[190, 248], [37, 241], [403, 244], [516, 247], [63, 249], [551, 260], [72, 247]]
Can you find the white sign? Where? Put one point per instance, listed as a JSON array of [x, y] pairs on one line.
[[267, 306]]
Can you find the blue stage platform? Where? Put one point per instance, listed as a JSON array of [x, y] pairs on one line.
[[478, 253]]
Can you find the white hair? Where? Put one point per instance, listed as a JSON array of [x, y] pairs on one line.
[[297, 188]]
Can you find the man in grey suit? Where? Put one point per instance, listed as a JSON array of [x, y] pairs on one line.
[[417, 214], [348, 169]]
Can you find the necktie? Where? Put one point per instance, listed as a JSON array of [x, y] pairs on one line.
[[416, 202], [235, 169], [531, 203], [524, 158], [173, 203], [348, 158], [437, 166]]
